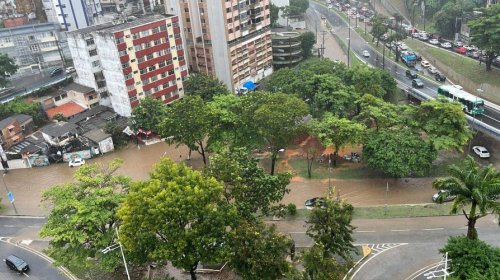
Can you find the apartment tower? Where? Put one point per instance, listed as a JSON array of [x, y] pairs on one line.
[[126, 62], [229, 39]]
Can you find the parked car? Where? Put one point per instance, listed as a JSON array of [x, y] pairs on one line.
[[458, 44], [411, 74], [440, 77], [481, 151], [434, 41], [366, 53], [425, 63], [473, 54], [70, 70], [446, 45], [461, 50], [315, 202], [56, 72], [417, 83], [16, 263], [76, 162], [445, 195], [433, 70]]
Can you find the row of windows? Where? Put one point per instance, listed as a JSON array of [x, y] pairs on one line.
[[155, 30], [168, 95]]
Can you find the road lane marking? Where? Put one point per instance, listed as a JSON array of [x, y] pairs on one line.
[[379, 248], [400, 230], [440, 228], [24, 217], [296, 232], [364, 231], [26, 275]]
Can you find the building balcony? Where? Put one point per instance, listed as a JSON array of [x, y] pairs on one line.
[[288, 53], [284, 44], [287, 61]]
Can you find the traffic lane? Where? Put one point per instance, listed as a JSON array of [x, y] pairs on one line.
[[11, 226], [40, 268]]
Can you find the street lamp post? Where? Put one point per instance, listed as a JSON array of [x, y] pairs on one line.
[[116, 246], [9, 194]]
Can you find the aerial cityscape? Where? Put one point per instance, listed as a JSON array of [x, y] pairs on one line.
[[250, 139]]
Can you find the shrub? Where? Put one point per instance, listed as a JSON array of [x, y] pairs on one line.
[[291, 209]]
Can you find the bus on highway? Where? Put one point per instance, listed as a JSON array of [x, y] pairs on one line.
[[471, 104]]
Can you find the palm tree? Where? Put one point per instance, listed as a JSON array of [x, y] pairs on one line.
[[474, 186]]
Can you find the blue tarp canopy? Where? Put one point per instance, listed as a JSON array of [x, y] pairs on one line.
[[249, 85]]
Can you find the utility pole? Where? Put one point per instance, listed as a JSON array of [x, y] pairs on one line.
[[383, 56], [323, 44], [116, 246], [9, 194], [349, 44]]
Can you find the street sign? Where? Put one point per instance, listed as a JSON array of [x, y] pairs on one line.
[[10, 195]]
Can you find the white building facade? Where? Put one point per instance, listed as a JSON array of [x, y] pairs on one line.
[[71, 14]]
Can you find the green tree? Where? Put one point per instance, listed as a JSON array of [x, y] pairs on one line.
[[308, 39], [444, 123], [82, 219], [119, 138], [177, 215], [365, 80], [59, 117], [485, 31], [329, 94], [379, 27], [204, 86], [188, 122], [474, 186], [398, 152], [7, 68], [274, 12], [275, 118], [331, 230], [247, 185], [376, 112], [319, 266], [20, 106], [394, 37], [472, 259], [297, 8], [149, 114], [445, 19], [338, 132], [259, 251]]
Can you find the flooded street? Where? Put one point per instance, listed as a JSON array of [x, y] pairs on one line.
[[28, 184]]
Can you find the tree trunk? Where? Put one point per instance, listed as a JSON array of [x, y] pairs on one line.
[[274, 155], [335, 153], [378, 40], [489, 61], [310, 161], [471, 222], [202, 153], [192, 271]]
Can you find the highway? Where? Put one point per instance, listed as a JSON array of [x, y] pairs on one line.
[[491, 115]]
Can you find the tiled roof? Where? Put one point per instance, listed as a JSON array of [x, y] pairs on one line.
[[5, 122], [68, 110]]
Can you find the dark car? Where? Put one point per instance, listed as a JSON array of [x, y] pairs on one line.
[[443, 196], [440, 77], [417, 83], [315, 202], [17, 264], [411, 74], [56, 72]]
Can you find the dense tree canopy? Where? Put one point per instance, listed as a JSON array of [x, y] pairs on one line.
[[204, 86], [149, 114], [398, 152], [379, 27], [308, 39], [177, 215], [82, 218], [7, 67], [485, 32]]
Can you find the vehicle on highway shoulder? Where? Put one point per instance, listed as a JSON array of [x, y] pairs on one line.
[[16, 263], [425, 63], [433, 70], [434, 41], [446, 45], [471, 104]]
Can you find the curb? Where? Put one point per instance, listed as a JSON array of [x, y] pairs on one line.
[[366, 252]]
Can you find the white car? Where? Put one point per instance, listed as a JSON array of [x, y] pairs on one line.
[[330, 7], [432, 70], [70, 70], [434, 41], [446, 45], [76, 162], [366, 53], [481, 151], [403, 47], [425, 63]]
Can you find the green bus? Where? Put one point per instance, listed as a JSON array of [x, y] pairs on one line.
[[471, 104]]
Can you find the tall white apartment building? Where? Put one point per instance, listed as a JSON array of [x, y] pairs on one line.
[[230, 39], [71, 14]]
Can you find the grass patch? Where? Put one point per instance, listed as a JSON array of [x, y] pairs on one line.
[[391, 211]]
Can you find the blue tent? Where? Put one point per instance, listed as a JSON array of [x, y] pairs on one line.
[[249, 85]]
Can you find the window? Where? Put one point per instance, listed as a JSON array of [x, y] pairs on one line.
[[179, 47], [163, 28], [35, 48], [157, 88], [202, 20], [138, 47], [149, 56], [122, 53], [90, 42], [171, 72], [161, 64], [144, 33], [145, 82], [168, 61], [163, 75], [128, 76], [177, 36], [96, 63], [188, 20], [181, 57], [148, 92], [165, 85], [147, 45], [157, 42], [57, 98], [125, 65], [152, 68], [119, 40], [133, 98], [186, 10], [141, 59], [130, 87], [156, 30], [175, 24], [144, 70], [136, 36], [93, 52], [154, 78]]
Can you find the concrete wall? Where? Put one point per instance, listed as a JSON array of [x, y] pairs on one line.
[[217, 25]]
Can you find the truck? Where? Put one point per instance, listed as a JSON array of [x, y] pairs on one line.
[[409, 58]]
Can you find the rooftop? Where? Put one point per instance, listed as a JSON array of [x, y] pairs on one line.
[[114, 27], [78, 88], [96, 135], [68, 110], [59, 129], [28, 29], [22, 118]]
